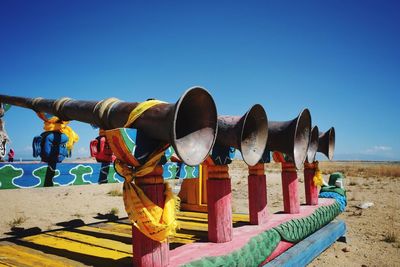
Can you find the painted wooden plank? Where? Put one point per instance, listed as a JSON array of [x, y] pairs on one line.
[[203, 217], [241, 236], [306, 250], [311, 190], [91, 240], [14, 255], [191, 214], [195, 219], [191, 225], [73, 246], [118, 227], [94, 230]]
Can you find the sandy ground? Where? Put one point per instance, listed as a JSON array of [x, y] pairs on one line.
[[368, 242]]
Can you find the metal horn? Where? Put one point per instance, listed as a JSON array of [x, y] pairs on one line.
[[189, 125], [326, 143], [248, 133], [291, 137], [313, 145]]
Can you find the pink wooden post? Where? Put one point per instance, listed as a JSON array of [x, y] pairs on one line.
[[311, 189], [219, 197], [257, 192], [147, 252], [291, 201]]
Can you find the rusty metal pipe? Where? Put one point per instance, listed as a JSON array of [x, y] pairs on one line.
[[248, 133], [313, 145], [189, 125], [326, 144], [291, 137]]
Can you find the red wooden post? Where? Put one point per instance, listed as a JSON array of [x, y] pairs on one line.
[[219, 197], [291, 201], [257, 192], [311, 189], [147, 252]]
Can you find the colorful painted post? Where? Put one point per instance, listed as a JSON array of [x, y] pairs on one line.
[[311, 189], [257, 192], [291, 201], [219, 197], [147, 252]]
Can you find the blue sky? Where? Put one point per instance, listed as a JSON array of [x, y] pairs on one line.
[[340, 59]]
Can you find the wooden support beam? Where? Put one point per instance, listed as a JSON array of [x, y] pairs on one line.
[[306, 250], [291, 201], [219, 197], [257, 193], [147, 252], [311, 189]]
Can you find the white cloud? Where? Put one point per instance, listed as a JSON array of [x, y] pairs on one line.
[[378, 149]]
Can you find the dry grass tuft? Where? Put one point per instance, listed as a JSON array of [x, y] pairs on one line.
[[390, 237], [17, 221], [114, 211], [115, 193]]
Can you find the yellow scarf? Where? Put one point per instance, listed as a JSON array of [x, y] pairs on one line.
[[55, 124], [318, 180], [153, 221]]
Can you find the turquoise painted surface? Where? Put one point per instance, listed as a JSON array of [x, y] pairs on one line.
[[31, 175]]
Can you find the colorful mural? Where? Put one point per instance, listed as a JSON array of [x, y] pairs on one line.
[[31, 175]]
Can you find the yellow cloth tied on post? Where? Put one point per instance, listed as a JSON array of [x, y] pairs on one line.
[[317, 179], [153, 221], [55, 124]]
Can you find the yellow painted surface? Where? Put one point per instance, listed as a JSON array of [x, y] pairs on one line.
[[118, 227], [77, 247], [95, 241], [108, 231], [200, 215], [184, 238], [240, 217], [183, 218], [87, 244], [20, 256], [191, 214], [191, 225]]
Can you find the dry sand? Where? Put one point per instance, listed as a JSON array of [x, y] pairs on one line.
[[368, 235]]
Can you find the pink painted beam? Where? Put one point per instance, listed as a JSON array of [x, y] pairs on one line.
[[147, 252], [291, 201], [282, 247], [311, 189], [219, 197], [241, 236], [257, 192]]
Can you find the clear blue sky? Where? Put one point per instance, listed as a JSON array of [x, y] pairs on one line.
[[340, 59]]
